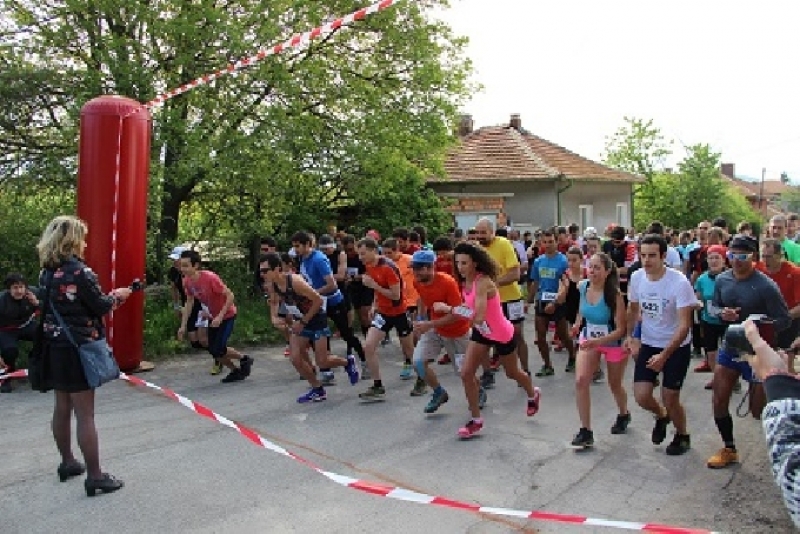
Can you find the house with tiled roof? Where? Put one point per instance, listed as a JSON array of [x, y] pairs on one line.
[[764, 196], [516, 178]]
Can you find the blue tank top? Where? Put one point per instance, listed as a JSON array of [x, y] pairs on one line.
[[598, 314]]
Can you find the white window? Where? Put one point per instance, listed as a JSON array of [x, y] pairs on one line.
[[585, 216], [623, 217]]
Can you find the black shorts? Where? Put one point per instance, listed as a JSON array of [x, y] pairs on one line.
[[360, 295], [64, 367], [191, 323], [559, 314], [712, 333], [514, 310], [386, 323], [674, 370], [500, 349]]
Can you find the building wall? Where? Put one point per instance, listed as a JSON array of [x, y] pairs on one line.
[[532, 204], [603, 198]]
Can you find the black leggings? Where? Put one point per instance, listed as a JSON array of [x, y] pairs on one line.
[[338, 314]]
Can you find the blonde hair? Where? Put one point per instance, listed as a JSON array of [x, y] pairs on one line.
[[62, 238]]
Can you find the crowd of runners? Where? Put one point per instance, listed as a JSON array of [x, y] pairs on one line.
[[654, 299]]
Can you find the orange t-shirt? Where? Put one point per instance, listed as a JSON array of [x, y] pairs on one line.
[[410, 295], [386, 274], [788, 281], [443, 289]]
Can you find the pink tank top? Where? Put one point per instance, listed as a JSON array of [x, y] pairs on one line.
[[500, 328]]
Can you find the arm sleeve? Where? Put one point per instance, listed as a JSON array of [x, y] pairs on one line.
[[91, 295], [776, 306], [781, 422]]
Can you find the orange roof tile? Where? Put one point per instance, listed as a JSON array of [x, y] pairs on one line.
[[505, 153]]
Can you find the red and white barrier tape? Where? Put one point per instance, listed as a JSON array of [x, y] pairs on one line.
[[294, 42], [397, 492]]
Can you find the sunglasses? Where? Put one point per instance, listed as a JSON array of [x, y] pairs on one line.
[[743, 256]]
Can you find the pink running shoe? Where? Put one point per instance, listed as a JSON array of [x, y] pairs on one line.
[[533, 404], [470, 429]]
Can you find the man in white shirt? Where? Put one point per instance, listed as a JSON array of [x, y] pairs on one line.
[[665, 300]]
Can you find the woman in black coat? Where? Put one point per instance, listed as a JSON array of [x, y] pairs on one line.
[[75, 293]]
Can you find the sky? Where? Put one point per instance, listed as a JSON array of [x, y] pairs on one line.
[[725, 73]]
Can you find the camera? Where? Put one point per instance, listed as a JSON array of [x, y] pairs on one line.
[[736, 340], [136, 285]]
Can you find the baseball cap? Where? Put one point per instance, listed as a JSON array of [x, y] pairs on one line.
[[590, 232], [717, 249], [743, 242], [423, 257], [176, 253]]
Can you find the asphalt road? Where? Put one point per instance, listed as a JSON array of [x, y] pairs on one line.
[[184, 473]]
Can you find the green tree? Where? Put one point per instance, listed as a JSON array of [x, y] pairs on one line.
[[337, 122], [638, 147]]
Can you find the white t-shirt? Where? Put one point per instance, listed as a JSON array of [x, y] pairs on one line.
[[674, 258], [659, 303]]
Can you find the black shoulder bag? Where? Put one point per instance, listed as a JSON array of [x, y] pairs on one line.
[[99, 365], [38, 369]]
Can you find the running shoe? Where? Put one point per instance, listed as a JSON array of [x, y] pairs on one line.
[[287, 351], [234, 376], [533, 404], [660, 430], [444, 360], [365, 371], [472, 427], [407, 373], [487, 381], [419, 388], [352, 369], [494, 364], [373, 393], [723, 458], [704, 367], [246, 364], [216, 368], [313, 395], [680, 445], [621, 424], [546, 370], [583, 439], [570, 368], [436, 401]]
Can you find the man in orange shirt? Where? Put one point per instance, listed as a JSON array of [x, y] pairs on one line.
[[388, 311], [787, 276], [392, 251], [436, 330]]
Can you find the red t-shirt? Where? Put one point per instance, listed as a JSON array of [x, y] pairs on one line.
[[209, 289], [412, 248], [444, 288], [787, 280], [444, 264], [386, 274]]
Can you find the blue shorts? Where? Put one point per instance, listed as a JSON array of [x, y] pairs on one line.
[[730, 360], [315, 334]]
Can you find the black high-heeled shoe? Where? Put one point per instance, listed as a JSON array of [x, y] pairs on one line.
[[107, 484], [70, 469]]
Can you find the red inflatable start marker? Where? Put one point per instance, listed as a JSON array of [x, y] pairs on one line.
[[113, 175]]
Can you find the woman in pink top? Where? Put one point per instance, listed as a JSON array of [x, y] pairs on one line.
[[476, 272]]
